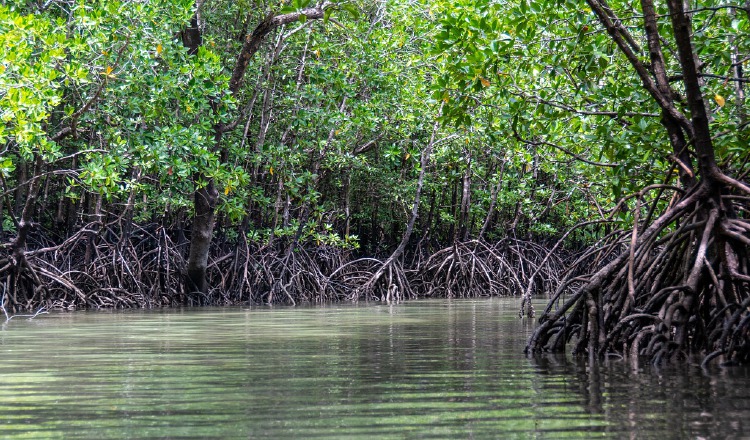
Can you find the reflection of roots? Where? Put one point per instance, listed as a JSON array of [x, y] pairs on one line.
[[682, 287]]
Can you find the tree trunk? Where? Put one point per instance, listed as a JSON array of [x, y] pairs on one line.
[[19, 264], [453, 229], [347, 202], [206, 198], [702, 134], [463, 231], [493, 203], [19, 193], [200, 238], [681, 155]]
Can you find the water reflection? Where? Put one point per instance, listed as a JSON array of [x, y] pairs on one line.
[[677, 402], [426, 369]]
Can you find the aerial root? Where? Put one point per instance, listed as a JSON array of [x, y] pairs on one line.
[[102, 267]]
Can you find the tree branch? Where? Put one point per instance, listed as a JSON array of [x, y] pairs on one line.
[[254, 39], [606, 19], [563, 149], [71, 129]]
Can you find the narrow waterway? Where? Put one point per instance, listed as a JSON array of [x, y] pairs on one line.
[[423, 369]]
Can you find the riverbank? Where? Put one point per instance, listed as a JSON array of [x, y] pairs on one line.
[[88, 271]]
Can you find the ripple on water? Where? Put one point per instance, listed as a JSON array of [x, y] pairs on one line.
[[424, 369]]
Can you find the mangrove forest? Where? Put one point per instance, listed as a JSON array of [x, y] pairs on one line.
[[594, 153]]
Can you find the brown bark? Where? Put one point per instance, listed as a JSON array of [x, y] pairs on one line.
[[347, 202], [24, 222], [658, 67], [254, 40], [21, 268], [702, 135], [19, 194], [620, 36], [191, 36], [463, 230], [205, 200]]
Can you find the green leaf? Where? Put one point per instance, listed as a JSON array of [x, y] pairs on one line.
[[352, 10]]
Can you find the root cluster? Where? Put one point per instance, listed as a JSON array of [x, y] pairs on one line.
[[668, 289], [144, 268]]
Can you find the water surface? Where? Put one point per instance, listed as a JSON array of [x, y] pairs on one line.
[[423, 369]]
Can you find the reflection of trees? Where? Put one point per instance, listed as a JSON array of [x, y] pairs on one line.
[[435, 368], [681, 402]]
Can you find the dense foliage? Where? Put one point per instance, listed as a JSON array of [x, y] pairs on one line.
[[208, 151]]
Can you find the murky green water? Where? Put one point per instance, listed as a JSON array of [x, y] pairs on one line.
[[425, 369]]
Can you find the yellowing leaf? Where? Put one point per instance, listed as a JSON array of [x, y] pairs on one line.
[[485, 82], [408, 155], [270, 171], [317, 52], [337, 132], [159, 49], [719, 100], [108, 72], [226, 190]]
